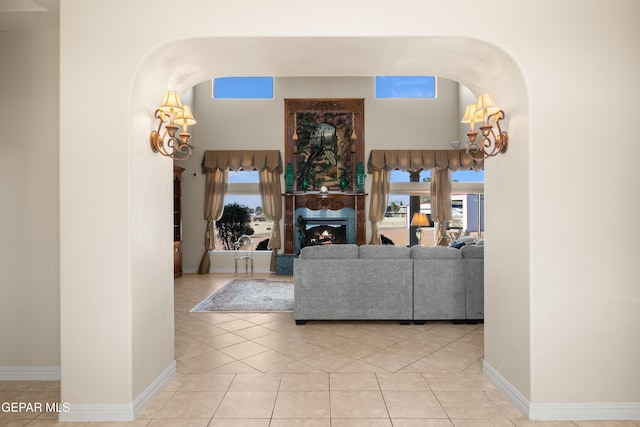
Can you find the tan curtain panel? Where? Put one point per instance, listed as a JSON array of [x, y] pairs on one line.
[[271, 194], [378, 206], [216, 164], [214, 192], [441, 202]]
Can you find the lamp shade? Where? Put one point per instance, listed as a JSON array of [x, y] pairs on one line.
[[185, 117], [170, 101], [420, 219], [469, 114], [486, 106]]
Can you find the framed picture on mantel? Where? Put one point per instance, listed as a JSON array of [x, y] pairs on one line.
[[324, 143]]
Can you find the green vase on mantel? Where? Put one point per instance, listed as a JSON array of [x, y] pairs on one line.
[[360, 177], [288, 177]]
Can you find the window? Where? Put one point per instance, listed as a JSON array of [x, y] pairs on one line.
[[467, 215], [405, 87], [395, 225], [243, 188], [243, 177], [243, 88], [467, 176]]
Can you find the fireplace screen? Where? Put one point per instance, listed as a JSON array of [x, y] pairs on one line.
[[314, 231]]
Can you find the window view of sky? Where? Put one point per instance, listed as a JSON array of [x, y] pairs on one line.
[[405, 87], [243, 87], [243, 177], [460, 176]]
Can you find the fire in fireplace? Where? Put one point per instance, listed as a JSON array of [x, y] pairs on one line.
[[323, 231]]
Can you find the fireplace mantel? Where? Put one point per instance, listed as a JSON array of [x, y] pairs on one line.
[[315, 201]]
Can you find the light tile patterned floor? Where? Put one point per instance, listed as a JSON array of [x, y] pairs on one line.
[[261, 370]]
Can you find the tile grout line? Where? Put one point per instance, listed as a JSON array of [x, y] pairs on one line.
[[386, 406]]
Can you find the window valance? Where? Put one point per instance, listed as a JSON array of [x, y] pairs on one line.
[[415, 160], [246, 160]]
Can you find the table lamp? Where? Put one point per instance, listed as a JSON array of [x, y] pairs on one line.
[[419, 220]]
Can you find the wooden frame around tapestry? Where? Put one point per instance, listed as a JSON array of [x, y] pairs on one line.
[[324, 141]]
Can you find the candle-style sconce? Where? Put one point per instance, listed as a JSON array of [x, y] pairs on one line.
[[492, 141]]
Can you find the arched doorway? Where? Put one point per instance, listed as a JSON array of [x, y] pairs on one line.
[[454, 58]]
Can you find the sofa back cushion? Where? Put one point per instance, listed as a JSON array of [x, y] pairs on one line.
[[384, 252], [472, 251], [329, 252], [437, 252]]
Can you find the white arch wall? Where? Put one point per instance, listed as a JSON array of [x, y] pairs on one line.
[[423, 53], [532, 292]]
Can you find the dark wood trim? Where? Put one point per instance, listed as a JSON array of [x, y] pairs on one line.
[[331, 105], [177, 221], [312, 200]]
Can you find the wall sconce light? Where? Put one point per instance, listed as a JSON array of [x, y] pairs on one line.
[[492, 142], [420, 220], [172, 112]]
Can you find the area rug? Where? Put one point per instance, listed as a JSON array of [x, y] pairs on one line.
[[250, 295]]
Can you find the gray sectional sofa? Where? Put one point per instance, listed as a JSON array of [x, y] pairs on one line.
[[383, 282]]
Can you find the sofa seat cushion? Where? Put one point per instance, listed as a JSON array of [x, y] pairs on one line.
[[329, 252], [383, 252], [437, 252]]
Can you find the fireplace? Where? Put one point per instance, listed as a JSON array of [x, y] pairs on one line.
[[319, 231], [308, 215]]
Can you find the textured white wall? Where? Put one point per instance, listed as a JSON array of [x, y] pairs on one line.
[[29, 246], [561, 307], [585, 304]]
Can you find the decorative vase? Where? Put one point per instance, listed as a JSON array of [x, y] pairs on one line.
[[305, 184], [288, 177], [360, 177], [343, 183]]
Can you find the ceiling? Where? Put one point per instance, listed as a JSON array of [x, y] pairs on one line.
[[28, 15]]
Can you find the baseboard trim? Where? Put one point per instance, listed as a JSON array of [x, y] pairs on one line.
[[97, 412], [514, 395], [584, 411], [29, 373], [154, 388], [119, 412], [562, 411]]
